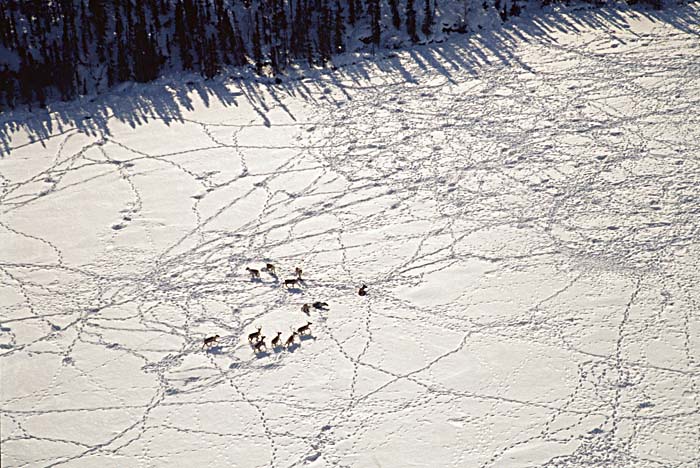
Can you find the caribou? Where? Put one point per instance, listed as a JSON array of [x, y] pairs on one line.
[[255, 335]]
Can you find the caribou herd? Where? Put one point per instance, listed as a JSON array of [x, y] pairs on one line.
[[256, 338]]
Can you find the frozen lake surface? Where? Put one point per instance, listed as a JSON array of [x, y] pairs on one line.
[[524, 207]]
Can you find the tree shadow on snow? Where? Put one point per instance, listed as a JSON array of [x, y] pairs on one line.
[[170, 99]]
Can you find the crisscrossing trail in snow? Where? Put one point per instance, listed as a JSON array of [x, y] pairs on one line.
[[528, 233]]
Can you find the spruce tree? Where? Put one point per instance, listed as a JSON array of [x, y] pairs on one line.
[[181, 36], [411, 21], [374, 11], [123, 69], [352, 14], [515, 8], [239, 50], [224, 29], [257, 46], [99, 22], [211, 62], [358, 7], [426, 29], [339, 30], [395, 17], [504, 12], [7, 82], [324, 31], [111, 69]]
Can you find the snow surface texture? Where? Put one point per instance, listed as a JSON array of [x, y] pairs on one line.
[[527, 226]]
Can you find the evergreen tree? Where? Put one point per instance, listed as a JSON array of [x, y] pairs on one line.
[[65, 72], [224, 28], [99, 21], [84, 37], [300, 30], [504, 12], [25, 77], [324, 31], [358, 7], [395, 17], [279, 29], [181, 36], [5, 29], [7, 82], [515, 8], [123, 68], [257, 46], [239, 50], [411, 21], [111, 69], [352, 14], [426, 29], [339, 30], [374, 11], [142, 49], [211, 62]]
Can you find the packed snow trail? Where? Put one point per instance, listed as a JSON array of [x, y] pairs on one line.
[[527, 228]]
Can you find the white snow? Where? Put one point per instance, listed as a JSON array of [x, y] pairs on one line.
[[523, 206]]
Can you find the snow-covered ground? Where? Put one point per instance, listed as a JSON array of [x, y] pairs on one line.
[[524, 207]]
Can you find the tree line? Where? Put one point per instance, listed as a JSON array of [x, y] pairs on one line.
[[65, 48]]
